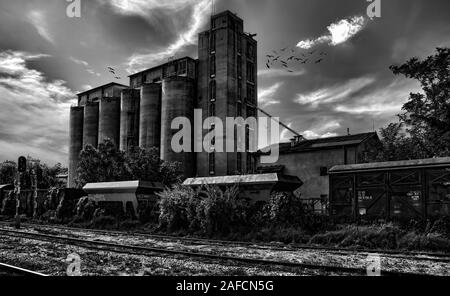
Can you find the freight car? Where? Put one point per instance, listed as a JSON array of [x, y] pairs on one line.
[[391, 190]]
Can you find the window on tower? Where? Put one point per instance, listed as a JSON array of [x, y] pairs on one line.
[[212, 90], [212, 65], [250, 51], [213, 42], [250, 94], [239, 163], [212, 109], [212, 163], [250, 72], [239, 93], [239, 66]]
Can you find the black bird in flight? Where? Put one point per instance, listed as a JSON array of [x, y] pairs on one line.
[[319, 60], [290, 58], [267, 65], [118, 78], [305, 61]]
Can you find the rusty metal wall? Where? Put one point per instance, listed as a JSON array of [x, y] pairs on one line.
[[396, 194], [109, 120], [129, 119], [75, 141]]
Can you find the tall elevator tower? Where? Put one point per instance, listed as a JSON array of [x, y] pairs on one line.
[[227, 87]]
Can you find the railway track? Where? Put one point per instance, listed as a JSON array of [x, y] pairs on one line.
[[428, 256], [153, 251], [10, 270]]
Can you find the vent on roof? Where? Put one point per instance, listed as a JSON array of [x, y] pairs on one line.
[[297, 140]]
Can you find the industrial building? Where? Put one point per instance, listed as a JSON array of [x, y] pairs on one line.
[[222, 82], [310, 160]]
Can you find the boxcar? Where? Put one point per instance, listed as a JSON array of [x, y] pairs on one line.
[[390, 190]]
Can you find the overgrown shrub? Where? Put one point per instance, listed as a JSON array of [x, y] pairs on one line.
[[284, 208], [221, 212], [209, 210], [176, 206]]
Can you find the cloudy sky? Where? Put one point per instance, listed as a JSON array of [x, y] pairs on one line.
[[46, 58]]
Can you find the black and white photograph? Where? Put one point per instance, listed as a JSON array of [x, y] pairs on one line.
[[225, 146]]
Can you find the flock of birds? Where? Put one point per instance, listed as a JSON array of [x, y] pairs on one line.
[[287, 56], [113, 71], [283, 57]]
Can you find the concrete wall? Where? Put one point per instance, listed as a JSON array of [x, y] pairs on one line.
[[90, 129], [129, 119], [150, 116], [228, 50], [75, 141], [109, 120], [307, 166], [177, 101]]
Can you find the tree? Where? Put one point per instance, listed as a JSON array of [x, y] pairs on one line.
[[108, 164], [46, 176], [427, 114], [105, 164]]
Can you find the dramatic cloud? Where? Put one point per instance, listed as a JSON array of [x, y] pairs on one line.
[[86, 65], [338, 32], [333, 94], [34, 113], [280, 73], [266, 95], [187, 34], [38, 20], [387, 101]]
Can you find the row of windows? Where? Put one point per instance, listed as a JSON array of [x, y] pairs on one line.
[[237, 46], [250, 91]]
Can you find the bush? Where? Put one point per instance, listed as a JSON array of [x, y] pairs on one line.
[[442, 226], [208, 210], [221, 212], [284, 208], [177, 208]]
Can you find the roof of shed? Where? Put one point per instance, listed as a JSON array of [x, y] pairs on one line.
[[326, 143], [392, 165]]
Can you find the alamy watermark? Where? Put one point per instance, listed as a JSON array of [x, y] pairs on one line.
[[374, 265], [374, 9], [233, 135], [73, 8], [74, 265]]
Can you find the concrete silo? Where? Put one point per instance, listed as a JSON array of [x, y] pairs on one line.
[[90, 130], [75, 141], [150, 116], [109, 120], [178, 97], [129, 119]]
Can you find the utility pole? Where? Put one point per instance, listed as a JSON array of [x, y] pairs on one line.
[[35, 193], [21, 168]]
